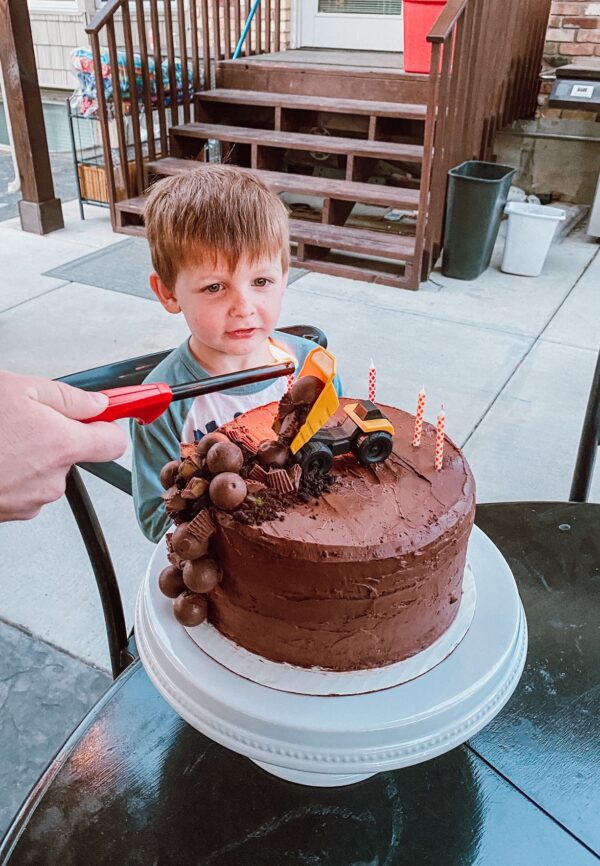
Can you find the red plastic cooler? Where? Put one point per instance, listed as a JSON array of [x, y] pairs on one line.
[[419, 18]]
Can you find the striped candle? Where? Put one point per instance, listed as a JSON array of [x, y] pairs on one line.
[[439, 440], [419, 418], [372, 381]]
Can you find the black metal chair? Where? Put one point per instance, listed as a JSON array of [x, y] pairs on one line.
[[588, 443], [121, 646]]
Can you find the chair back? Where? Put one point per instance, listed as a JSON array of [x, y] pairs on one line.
[[588, 444]]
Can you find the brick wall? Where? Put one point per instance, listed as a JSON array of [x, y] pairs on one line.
[[573, 32], [573, 35]]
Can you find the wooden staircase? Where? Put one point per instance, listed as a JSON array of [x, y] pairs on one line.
[[291, 140], [341, 141]]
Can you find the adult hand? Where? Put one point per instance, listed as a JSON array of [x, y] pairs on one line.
[[42, 436]]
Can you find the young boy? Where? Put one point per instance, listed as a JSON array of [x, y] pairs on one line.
[[219, 241]]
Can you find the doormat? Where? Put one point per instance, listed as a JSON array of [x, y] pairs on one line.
[[122, 267]]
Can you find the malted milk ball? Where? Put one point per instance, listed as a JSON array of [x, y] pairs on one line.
[[170, 581], [227, 490], [190, 608], [272, 452], [305, 390], [186, 545], [168, 474], [224, 457], [209, 440], [201, 575]]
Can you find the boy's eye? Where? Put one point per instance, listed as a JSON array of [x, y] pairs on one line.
[[261, 282], [213, 289]]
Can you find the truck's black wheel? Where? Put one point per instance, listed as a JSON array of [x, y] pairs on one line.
[[315, 457], [374, 447]]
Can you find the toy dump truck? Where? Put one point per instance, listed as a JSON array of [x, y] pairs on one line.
[[366, 432]]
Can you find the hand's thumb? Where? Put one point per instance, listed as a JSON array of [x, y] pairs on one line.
[[70, 402]]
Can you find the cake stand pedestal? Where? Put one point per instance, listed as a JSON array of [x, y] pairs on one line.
[[331, 741]]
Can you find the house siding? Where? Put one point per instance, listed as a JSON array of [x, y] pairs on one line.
[[54, 38]]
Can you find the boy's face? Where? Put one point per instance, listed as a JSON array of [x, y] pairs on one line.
[[230, 313]]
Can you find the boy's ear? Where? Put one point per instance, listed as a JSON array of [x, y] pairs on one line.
[[164, 295]]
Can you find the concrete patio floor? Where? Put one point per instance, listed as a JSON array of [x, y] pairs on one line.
[[510, 358]]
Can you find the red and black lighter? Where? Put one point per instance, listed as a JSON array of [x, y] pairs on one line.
[[146, 402]]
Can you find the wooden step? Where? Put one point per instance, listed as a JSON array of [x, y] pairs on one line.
[[363, 241], [328, 80], [390, 246], [129, 216], [324, 248], [299, 141], [300, 101], [300, 184], [132, 205], [354, 269]]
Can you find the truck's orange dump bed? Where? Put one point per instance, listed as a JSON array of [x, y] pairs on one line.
[[319, 363]]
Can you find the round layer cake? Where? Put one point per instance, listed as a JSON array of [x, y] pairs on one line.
[[367, 575]]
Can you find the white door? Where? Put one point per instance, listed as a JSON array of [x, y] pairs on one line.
[[367, 25]]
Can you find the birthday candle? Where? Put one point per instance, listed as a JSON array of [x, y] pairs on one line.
[[419, 418], [372, 381], [439, 440]]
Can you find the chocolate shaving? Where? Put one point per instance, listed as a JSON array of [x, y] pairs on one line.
[[278, 479], [255, 486], [202, 526], [174, 502], [257, 473], [240, 436], [295, 474], [187, 449], [173, 557]]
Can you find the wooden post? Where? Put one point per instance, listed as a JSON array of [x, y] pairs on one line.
[[39, 210]]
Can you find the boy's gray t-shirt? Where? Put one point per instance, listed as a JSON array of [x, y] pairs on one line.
[[189, 420]]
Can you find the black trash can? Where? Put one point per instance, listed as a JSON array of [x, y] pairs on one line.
[[477, 193]]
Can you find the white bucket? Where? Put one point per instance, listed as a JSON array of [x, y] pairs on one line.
[[531, 228]]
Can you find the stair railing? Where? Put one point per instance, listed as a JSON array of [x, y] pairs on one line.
[[160, 54], [485, 63]]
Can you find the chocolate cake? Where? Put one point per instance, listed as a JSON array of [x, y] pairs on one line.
[[358, 569]]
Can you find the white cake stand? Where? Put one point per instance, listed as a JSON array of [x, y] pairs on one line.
[[330, 741]]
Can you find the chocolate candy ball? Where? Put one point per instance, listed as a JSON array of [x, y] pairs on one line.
[[186, 545], [224, 457], [306, 390], [201, 575], [170, 581], [190, 608], [272, 452], [168, 473], [227, 491], [209, 440]]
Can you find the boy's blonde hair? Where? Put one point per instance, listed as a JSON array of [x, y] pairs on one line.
[[213, 211]]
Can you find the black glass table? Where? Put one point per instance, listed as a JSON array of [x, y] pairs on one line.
[[136, 785]]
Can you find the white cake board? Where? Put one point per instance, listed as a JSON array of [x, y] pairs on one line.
[[330, 741], [317, 681]]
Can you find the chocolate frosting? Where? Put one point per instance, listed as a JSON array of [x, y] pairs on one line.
[[368, 575]]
